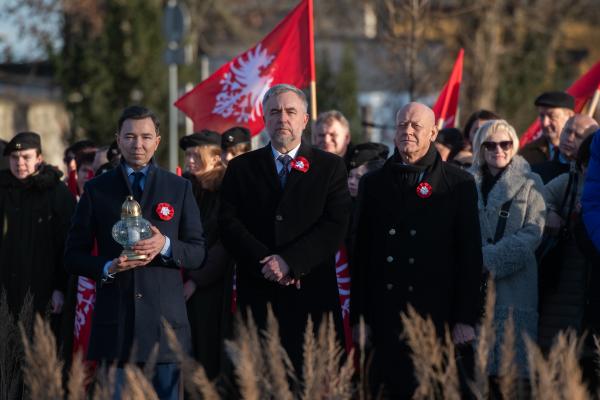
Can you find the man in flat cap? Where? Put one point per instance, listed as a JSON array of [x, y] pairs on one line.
[[554, 109], [235, 141], [35, 212]]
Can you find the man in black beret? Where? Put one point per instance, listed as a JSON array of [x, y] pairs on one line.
[[235, 141], [554, 109], [35, 211]]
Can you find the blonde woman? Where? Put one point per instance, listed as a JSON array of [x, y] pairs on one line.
[[512, 213], [204, 288]]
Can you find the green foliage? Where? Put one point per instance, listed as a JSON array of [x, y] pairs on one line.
[[339, 91], [104, 70]]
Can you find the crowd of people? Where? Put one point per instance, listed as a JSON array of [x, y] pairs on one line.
[[309, 228]]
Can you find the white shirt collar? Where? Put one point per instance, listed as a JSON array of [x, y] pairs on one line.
[[292, 153]]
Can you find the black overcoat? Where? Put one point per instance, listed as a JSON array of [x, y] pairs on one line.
[[34, 218], [129, 309], [304, 223], [411, 250]]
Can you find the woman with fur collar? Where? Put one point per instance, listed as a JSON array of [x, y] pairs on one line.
[[502, 176]]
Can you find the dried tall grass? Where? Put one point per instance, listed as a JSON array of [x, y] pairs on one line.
[[41, 368], [508, 373], [485, 343], [559, 375], [434, 361], [11, 347], [195, 381], [263, 369]]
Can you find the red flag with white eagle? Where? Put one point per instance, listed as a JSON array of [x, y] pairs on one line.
[[582, 90], [446, 105], [232, 96]]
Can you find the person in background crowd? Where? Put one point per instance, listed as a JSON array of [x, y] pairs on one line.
[[564, 270], [365, 158], [76, 149], [100, 158], [113, 159], [576, 129], [85, 169], [284, 212], [511, 214], [332, 134], [449, 143], [464, 158], [554, 109], [70, 159], [417, 243], [205, 288], [3, 158], [35, 211], [135, 297], [586, 232], [235, 141]]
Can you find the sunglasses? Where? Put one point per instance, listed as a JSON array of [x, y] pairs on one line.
[[491, 146]]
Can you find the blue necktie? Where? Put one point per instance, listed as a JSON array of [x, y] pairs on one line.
[[136, 186], [283, 174]]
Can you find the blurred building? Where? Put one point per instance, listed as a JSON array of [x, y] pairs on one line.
[[30, 100]]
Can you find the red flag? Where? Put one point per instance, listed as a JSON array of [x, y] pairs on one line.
[[583, 89], [343, 280], [232, 96], [446, 105]]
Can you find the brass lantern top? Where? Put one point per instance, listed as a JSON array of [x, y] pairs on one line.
[[130, 208]]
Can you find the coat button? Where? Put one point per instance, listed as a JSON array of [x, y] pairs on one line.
[[412, 232], [410, 288], [392, 232], [390, 286], [389, 259], [138, 296], [279, 217], [411, 260]]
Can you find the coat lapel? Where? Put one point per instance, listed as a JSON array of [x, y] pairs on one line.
[[295, 175], [269, 170]]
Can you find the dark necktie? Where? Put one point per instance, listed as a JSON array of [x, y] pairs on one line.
[[283, 174], [136, 186]]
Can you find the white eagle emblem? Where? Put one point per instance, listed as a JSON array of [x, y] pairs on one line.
[[243, 87], [165, 211]]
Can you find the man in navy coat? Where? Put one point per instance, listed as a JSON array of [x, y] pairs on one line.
[[284, 213], [133, 297]]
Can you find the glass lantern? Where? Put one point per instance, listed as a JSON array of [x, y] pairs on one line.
[[131, 228]]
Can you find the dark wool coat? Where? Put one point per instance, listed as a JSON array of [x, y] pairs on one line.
[[425, 252], [209, 310], [304, 223], [34, 218], [536, 152], [129, 309]]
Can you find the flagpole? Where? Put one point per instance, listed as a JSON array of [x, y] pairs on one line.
[[594, 103], [313, 74]]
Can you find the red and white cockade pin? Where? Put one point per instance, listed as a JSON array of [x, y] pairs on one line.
[[165, 211], [301, 164], [424, 190]]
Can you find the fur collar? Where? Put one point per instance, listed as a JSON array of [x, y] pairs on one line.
[[513, 178], [46, 177]]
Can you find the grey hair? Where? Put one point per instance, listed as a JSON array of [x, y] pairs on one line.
[[328, 117], [283, 88], [485, 131]]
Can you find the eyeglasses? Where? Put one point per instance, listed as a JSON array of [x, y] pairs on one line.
[[491, 146]]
